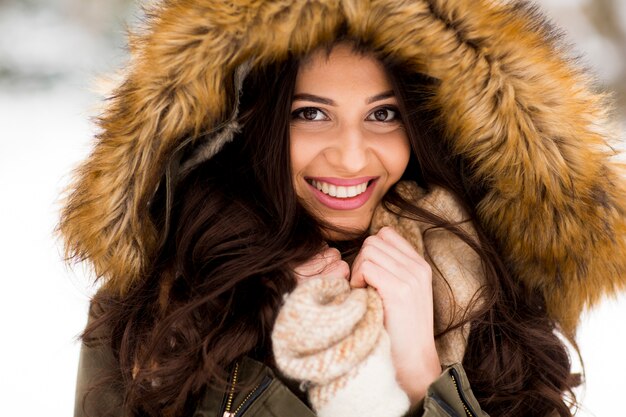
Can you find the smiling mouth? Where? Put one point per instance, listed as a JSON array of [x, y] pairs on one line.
[[340, 191]]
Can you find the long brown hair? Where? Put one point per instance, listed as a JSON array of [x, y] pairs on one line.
[[237, 227], [515, 362]]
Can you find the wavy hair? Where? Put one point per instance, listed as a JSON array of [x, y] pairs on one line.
[[237, 228]]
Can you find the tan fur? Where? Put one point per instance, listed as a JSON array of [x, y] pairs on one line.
[[524, 116]]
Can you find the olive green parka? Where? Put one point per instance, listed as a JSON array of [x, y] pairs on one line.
[[271, 396]]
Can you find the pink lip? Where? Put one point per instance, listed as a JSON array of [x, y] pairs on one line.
[[341, 181], [349, 203]]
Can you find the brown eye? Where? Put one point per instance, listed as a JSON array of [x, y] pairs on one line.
[[383, 115], [309, 114]]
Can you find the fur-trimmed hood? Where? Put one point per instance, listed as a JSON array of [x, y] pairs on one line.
[[514, 105]]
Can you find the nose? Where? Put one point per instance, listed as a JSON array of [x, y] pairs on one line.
[[350, 151]]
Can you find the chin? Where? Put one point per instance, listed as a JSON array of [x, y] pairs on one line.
[[351, 231]]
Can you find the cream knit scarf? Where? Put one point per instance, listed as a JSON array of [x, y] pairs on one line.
[[331, 337]]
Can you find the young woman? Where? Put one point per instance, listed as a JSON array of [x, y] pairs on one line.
[[341, 208]]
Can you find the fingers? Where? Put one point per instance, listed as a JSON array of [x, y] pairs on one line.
[[393, 254], [376, 248], [376, 253], [369, 274], [330, 255], [340, 268], [387, 249], [389, 235], [325, 262]]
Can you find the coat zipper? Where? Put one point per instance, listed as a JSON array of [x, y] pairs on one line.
[[456, 380], [231, 391], [252, 395]]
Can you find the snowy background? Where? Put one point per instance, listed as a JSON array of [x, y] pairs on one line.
[[51, 53]]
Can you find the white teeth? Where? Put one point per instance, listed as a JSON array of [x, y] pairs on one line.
[[339, 191]]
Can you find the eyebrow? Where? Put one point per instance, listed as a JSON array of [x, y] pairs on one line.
[[324, 100], [381, 96]]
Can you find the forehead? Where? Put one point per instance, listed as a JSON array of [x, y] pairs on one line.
[[342, 68]]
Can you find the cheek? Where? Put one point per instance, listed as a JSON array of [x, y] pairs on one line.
[[297, 156], [396, 156], [301, 157], [305, 151]]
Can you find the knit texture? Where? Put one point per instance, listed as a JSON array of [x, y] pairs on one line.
[[332, 338]]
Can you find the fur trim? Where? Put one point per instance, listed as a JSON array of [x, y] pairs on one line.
[[512, 103]]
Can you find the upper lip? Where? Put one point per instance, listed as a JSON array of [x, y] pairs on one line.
[[346, 182]]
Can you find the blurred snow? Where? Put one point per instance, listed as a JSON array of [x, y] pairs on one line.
[[600, 53], [49, 60], [51, 51], [43, 306], [621, 13], [48, 45], [42, 37]]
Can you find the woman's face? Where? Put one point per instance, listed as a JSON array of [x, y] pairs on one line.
[[348, 144]]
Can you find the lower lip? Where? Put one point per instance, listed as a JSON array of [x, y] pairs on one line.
[[349, 203]]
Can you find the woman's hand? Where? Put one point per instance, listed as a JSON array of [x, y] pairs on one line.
[[327, 261], [403, 279]]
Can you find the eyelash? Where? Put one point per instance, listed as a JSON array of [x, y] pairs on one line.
[[296, 114]]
